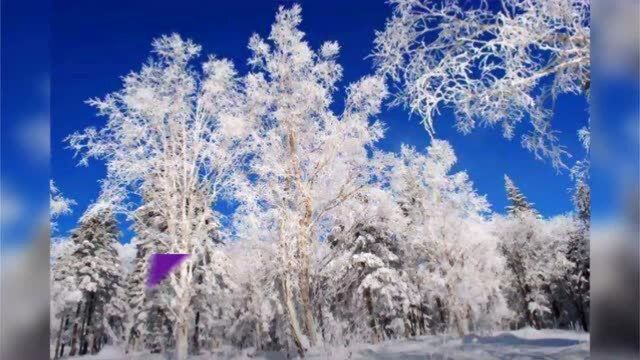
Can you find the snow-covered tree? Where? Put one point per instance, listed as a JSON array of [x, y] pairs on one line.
[[495, 63], [518, 202], [135, 297], [363, 281], [98, 270], [330, 240], [578, 253], [214, 290], [451, 251], [116, 312], [85, 279], [259, 320], [176, 127], [306, 160], [146, 320], [58, 204], [534, 250], [64, 294], [579, 274], [567, 287]]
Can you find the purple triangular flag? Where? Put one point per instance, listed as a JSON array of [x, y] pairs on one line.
[[161, 265]]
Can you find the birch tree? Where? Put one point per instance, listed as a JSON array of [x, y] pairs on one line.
[[171, 125], [306, 160], [495, 63]]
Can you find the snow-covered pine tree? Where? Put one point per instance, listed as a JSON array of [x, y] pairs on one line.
[[547, 301], [578, 276], [375, 293], [65, 299], [147, 325], [96, 267], [534, 250], [214, 288], [519, 203], [136, 298], [65, 296], [519, 238], [116, 314], [364, 284]]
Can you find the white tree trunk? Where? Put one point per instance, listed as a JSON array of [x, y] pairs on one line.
[[305, 299], [182, 343], [290, 307], [304, 242]]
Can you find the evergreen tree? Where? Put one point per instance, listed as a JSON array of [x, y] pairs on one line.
[[515, 248], [214, 288], [135, 296], [95, 265], [535, 253], [147, 325], [64, 294], [371, 291], [65, 299], [578, 276], [116, 312], [151, 323], [519, 203]]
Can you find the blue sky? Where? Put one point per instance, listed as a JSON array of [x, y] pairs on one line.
[[93, 44], [24, 116]]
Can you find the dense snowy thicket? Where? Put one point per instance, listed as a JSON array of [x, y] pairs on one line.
[[331, 241]]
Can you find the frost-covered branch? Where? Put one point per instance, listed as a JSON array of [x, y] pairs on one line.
[[493, 65], [58, 204]]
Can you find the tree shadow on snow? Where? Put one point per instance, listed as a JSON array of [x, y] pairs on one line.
[[512, 340]]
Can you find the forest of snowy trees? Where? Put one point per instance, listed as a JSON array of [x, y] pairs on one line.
[[330, 240]]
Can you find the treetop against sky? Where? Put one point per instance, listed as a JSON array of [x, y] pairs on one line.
[[95, 45]]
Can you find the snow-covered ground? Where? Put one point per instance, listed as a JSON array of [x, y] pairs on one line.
[[521, 344]]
